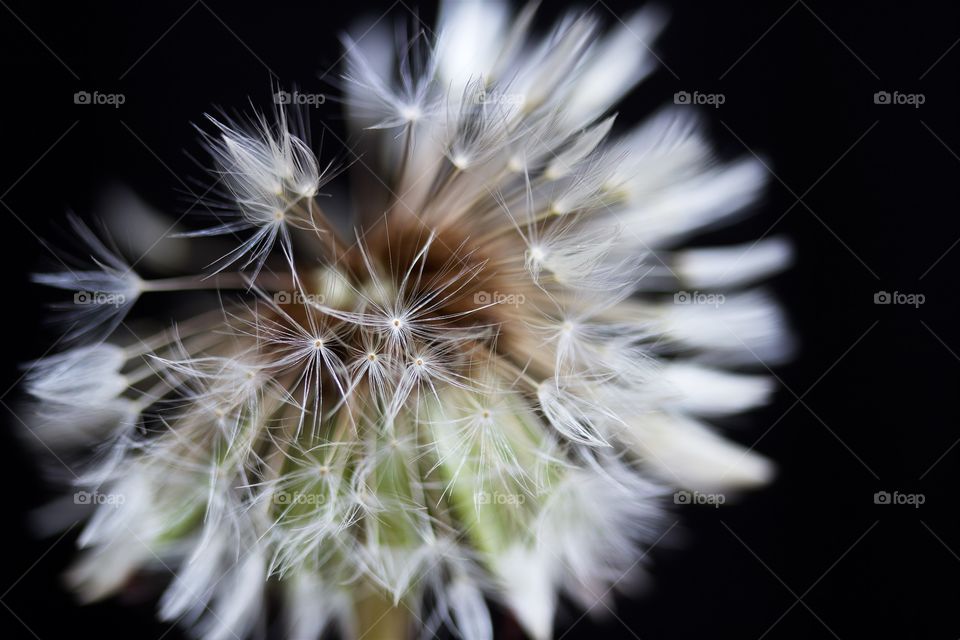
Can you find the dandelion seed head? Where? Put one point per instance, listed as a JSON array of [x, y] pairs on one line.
[[483, 392]]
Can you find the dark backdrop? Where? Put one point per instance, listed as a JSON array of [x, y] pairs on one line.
[[867, 191]]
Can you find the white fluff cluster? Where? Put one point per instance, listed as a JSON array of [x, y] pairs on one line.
[[481, 394]]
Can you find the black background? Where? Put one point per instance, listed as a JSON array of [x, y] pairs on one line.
[[866, 191]]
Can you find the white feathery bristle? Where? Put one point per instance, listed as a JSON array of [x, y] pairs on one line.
[[238, 605], [686, 453], [527, 576], [470, 614], [102, 295], [465, 52], [380, 102], [271, 177], [711, 392], [566, 161], [702, 201], [733, 266], [571, 411], [737, 328], [551, 67], [595, 520], [102, 572], [313, 607], [619, 61], [85, 376]]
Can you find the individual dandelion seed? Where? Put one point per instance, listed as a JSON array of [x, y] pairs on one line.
[[482, 393]]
